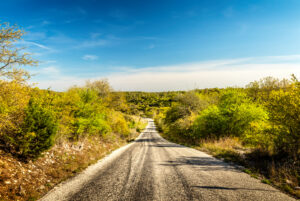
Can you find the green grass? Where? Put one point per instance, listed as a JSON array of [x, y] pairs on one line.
[[266, 181]]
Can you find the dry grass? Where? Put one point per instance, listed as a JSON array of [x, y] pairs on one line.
[[280, 172], [227, 149], [28, 181], [224, 143]]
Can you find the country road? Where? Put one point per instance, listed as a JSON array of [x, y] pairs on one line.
[[152, 168]]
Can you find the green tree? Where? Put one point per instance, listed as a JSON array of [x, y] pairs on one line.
[[38, 130], [102, 87]]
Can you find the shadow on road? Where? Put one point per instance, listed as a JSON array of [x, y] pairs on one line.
[[203, 163], [168, 145], [148, 140], [226, 188]]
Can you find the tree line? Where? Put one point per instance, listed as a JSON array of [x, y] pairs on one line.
[[264, 114]]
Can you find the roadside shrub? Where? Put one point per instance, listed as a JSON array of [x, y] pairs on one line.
[[209, 124], [89, 115], [38, 130], [233, 116], [14, 99], [185, 106], [159, 118], [284, 108], [181, 129], [96, 124], [259, 135], [176, 112], [245, 116], [118, 123], [239, 112], [66, 106]]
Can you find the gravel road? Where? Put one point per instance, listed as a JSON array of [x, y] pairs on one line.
[[152, 168]]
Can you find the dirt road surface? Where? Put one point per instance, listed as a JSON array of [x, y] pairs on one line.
[[152, 168]]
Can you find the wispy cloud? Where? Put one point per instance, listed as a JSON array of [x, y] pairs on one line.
[[48, 62], [36, 36], [90, 57], [146, 38], [95, 35], [93, 43], [45, 22], [49, 72], [39, 45], [220, 76], [29, 43], [60, 38], [217, 73], [151, 46], [190, 67]]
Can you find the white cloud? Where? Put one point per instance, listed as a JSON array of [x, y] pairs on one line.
[[60, 83], [32, 35], [61, 38], [33, 44], [48, 62], [175, 80], [218, 73], [90, 57], [45, 22], [151, 46], [49, 71], [95, 35], [40, 45], [93, 43]]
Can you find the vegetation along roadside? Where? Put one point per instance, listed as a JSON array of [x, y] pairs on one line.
[[48, 136], [256, 126]]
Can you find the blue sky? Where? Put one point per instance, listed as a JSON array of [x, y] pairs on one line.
[[156, 45]]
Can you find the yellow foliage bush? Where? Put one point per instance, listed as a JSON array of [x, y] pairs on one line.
[[14, 98], [118, 123]]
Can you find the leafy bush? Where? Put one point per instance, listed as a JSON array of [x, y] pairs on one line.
[[181, 129], [233, 116], [14, 98], [258, 135], [176, 112], [209, 124], [89, 126], [245, 116], [38, 130], [118, 123], [89, 115], [284, 107], [239, 112]]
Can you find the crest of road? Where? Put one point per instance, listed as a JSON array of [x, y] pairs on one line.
[[152, 168]]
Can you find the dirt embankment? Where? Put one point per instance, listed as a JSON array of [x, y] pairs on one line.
[[28, 181]]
